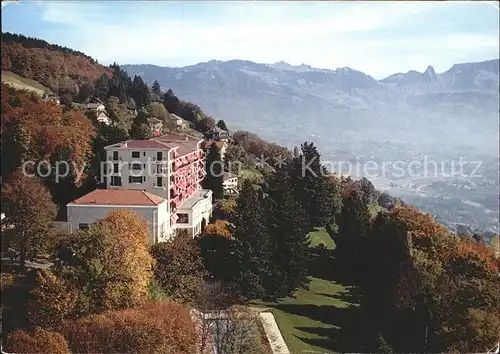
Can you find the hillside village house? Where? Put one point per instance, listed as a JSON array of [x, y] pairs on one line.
[[230, 183], [170, 168], [156, 126], [95, 105]]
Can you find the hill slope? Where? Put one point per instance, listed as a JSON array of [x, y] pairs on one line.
[[51, 65], [22, 83]]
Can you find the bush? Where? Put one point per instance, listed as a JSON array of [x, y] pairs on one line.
[[153, 328], [37, 342]]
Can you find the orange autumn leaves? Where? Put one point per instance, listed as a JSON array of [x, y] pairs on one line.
[[50, 130], [433, 238]]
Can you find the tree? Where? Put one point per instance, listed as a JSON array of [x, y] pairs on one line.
[[38, 341], [214, 168], [206, 124], [353, 227], [86, 90], [288, 230], [15, 146], [218, 228], [52, 300], [156, 327], [222, 125], [312, 187], [179, 268], [140, 129], [217, 251], [111, 265], [29, 208], [252, 245], [225, 208], [237, 332], [156, 88], [157, 110], [102, 87]]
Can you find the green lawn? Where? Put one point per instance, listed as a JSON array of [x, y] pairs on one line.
[[310, 322], [321, 236]]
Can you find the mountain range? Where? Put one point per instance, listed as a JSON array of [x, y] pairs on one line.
[[289, 103]]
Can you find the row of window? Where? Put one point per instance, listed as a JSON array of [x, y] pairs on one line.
[[136, 166], [116, 181], [137, 155]]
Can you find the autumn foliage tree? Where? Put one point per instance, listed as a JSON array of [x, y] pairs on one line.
[[179, 268], [152, 328], [31, 211], [111, 266], [52, 300], [37, 341]]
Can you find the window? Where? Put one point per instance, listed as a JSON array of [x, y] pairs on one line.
[[115, 155], [136, 154], [159, 168], [144, 153], [116, 181], [135, 179], [83, 226], [136, 166], [115, 168], [159, 156], [159, 181], [183, 219]]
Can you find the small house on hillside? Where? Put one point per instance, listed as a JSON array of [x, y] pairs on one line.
[[156, 126], [230, 183], [217, 134], [94, 104], [177, 121], [102, 117], [222, 145]]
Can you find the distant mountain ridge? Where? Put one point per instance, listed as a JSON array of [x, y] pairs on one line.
[[284, 102]]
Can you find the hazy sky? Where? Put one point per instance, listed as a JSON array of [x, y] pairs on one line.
[[376, 38]]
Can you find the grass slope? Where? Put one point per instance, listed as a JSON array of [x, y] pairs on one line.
[[22, 83], [311, 321]]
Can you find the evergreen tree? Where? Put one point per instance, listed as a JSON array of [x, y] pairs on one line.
[[353, 227], [222, 125], [171, 102], [102, 87], [288, 231], [156, 88], [252, 250], [313, 188], [140, 92], [214, 169], [140, 129]]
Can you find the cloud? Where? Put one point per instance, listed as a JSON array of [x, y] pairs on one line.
[[378, 38]]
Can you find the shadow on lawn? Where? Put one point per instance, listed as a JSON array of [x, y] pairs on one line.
[[340, 338]]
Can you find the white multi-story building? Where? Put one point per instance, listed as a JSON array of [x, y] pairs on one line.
[[170, 167]]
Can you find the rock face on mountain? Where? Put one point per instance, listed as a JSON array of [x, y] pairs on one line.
[[293, 102]]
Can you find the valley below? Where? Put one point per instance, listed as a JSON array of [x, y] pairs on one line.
[[407, 133]]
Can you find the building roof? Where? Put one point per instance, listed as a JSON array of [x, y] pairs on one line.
[[140, 144], [194, 199], [175, 116], [185, 144], [228, 175], [208, 143], [130, 197]]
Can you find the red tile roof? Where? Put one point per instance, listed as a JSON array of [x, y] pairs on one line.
[[145, 144], [119, 197]]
